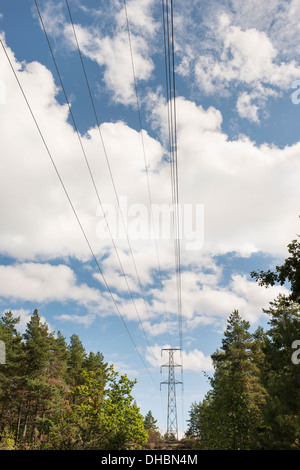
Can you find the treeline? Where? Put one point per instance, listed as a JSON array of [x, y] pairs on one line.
[[254, 397], [55, 396]]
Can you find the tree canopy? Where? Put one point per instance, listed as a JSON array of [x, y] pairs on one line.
[[54, 395], [254, 396]]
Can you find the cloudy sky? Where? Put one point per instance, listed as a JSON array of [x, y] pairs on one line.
[[84, 236]]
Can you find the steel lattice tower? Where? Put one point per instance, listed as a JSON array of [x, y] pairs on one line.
[[172, 426]]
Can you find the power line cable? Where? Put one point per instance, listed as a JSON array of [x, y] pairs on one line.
[[169, 49], [107, 159], [72, 206], [144, 154], [176, 172], [177, 199], [89, 168]]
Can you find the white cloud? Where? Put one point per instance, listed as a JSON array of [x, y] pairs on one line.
[[197, 361], [193, 360], [247, 57], [279, 18], [111, 51], [114, 54], [125, 369], [246, 108], [241, 45], [251, 105], [38, 282], [84, 320], [140, 17], [255, 297], [242, 185], [249, 45], [36, 219], [210, 303], [243, 188]]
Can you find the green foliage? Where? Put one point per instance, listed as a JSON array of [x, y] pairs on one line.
[[236, 395], [55, 396], [99, 418], [254, 399], [77, 357], [7, 441], [150, 422], [194, 422], [154, 436], [282, 380], [288, 272]]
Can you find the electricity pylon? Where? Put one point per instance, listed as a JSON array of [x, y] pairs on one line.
[[172, 426]]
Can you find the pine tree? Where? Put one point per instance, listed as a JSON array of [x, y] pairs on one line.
[[10, 374], [230, 415], [95, 363], [77, 357], [193, 428], [59, 358], [201, 425], [44, 386], [282, 379], [37, 345], [150, 422], [280, 375]]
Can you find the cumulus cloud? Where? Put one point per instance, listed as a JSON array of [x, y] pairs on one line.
[[193, 360], [241, 185], [246, 108], [249, 46], [207, 301], [250, 104], [110, 47], [36, 218], [248, 59], [44, 283], [280, 19], [254, 297], [248, 56]]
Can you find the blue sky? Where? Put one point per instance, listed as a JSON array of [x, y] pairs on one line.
[[238, 146]]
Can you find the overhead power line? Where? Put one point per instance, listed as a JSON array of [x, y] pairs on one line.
[[89, 169], [145, 158], [107, 159], [73, 208], [169, 52]]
